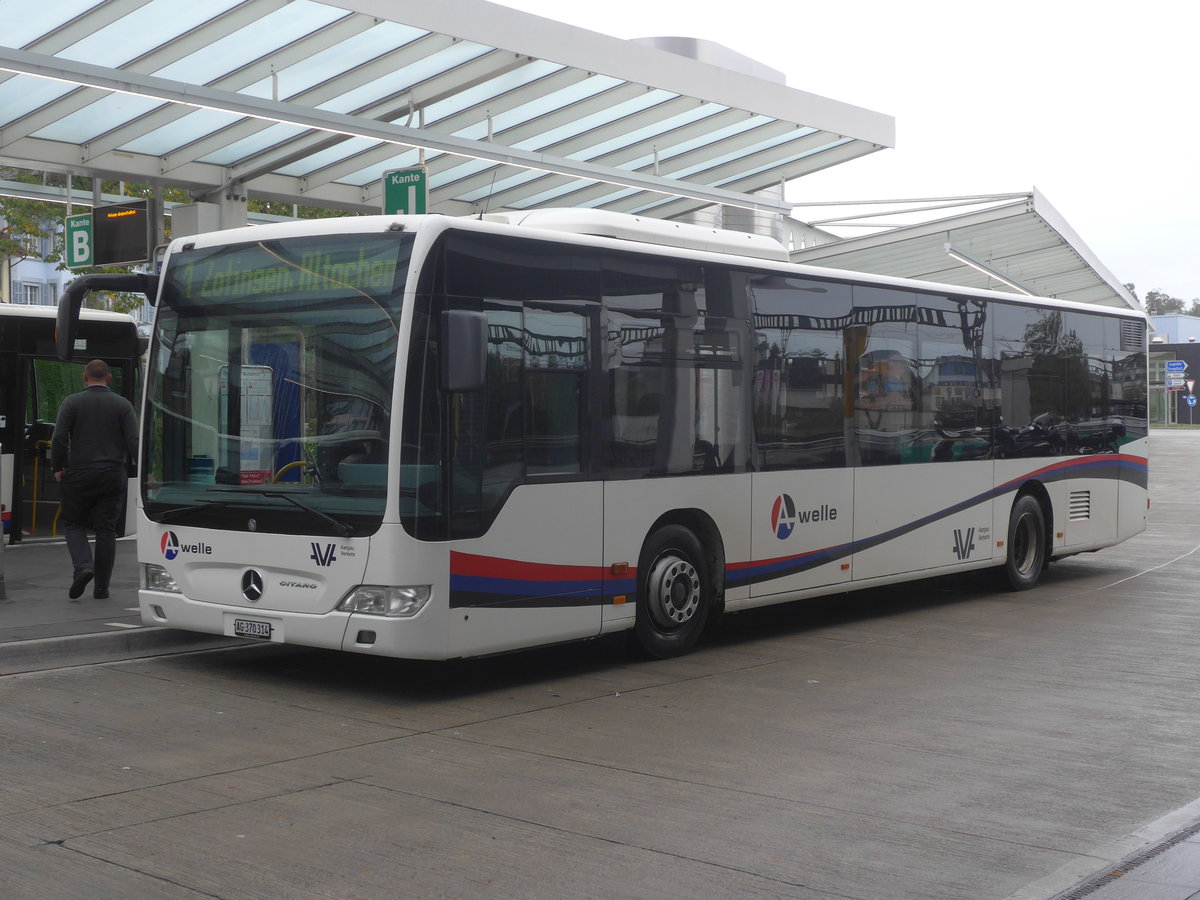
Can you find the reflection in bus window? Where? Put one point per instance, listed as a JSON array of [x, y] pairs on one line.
[[799, 371], [958, 385], [885, 382]]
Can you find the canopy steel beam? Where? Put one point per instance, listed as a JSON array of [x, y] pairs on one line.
[[440, 164], [540, 38], [588, 194], [80, 27], [71, 71], [244, 76], [320, 93], [670, 162], [473, 73], [495, 105], [576, 143], [158, 58]]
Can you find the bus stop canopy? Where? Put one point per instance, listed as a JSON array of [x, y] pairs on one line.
[[1007, 242], [311, 101]]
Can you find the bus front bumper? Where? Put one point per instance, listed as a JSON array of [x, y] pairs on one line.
[[406, 638]]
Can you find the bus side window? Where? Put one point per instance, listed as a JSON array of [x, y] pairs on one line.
[[958, 393], [886, 388], [528, 423], [556, 363], [650, 325], [798, 390], [1031, 348]]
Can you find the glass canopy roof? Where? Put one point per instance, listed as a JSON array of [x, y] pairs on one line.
[[1006, 242], [311, 101]]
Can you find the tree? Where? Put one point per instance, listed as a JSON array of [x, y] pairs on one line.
[[1159, 303], [27, 229], [25, 224]]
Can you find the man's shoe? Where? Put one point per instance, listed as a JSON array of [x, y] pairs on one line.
[[81, 581], [100, 595]]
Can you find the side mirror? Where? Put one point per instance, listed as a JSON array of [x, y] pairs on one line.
[[464, 350], [72, 298]]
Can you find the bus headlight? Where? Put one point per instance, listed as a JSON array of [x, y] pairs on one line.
[[159, 579], [386, 600]]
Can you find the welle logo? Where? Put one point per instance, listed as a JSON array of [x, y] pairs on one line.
[[785, 516], [171, 546], [322, 554]]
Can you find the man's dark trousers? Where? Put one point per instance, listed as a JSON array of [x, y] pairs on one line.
[[93, 496]]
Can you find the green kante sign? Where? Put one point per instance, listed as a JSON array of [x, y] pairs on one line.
[[405, 192]]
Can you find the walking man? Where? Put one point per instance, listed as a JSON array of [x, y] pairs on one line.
[[95, 440]]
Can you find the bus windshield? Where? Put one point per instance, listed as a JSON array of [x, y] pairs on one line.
[[270, 383]]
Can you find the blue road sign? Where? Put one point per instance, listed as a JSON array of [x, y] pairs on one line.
[[1176, 365], [1191, 399]]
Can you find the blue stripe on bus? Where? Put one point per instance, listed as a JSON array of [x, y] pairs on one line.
[[516, 584], [1117, 466]]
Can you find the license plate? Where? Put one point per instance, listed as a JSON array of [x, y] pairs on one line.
[[249, 628]]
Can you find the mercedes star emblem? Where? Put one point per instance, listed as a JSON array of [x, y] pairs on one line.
[[252, 585]]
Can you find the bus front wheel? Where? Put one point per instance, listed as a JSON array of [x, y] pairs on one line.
[[674, 592], [1027, 547]]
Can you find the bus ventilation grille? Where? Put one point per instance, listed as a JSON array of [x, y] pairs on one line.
[[1133, 335], [1081, 505]]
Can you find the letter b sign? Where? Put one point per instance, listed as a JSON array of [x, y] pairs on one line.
[[79, 241]]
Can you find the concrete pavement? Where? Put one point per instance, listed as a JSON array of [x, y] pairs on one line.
[[40, 628]]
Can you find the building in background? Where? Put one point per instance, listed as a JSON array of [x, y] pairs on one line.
[[1174, 366], [31, 281]]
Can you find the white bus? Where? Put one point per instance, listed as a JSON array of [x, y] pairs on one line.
[[33, 382], [433, 437]]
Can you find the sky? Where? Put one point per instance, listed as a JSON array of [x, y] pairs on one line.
[[1093, 102]]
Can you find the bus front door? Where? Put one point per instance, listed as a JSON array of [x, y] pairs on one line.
[[44, 384]]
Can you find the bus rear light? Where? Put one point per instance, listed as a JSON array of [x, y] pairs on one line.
[[159, 579], [386, 600]]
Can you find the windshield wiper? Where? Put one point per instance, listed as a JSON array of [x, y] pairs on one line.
[[342, 528], [176, 511]]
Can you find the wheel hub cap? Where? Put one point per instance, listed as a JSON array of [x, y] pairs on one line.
[[674, 591]]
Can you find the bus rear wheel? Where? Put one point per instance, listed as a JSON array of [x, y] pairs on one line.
[[1027, 550], [674, 592]]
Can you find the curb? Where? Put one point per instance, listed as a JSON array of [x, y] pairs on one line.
[[38, 655]]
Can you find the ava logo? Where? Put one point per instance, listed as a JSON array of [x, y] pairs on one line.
[[964, 542], [783, 517], [322, 556], [170, 545]]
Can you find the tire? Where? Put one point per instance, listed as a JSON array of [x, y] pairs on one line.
[[674, 592], [1027, 547]]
